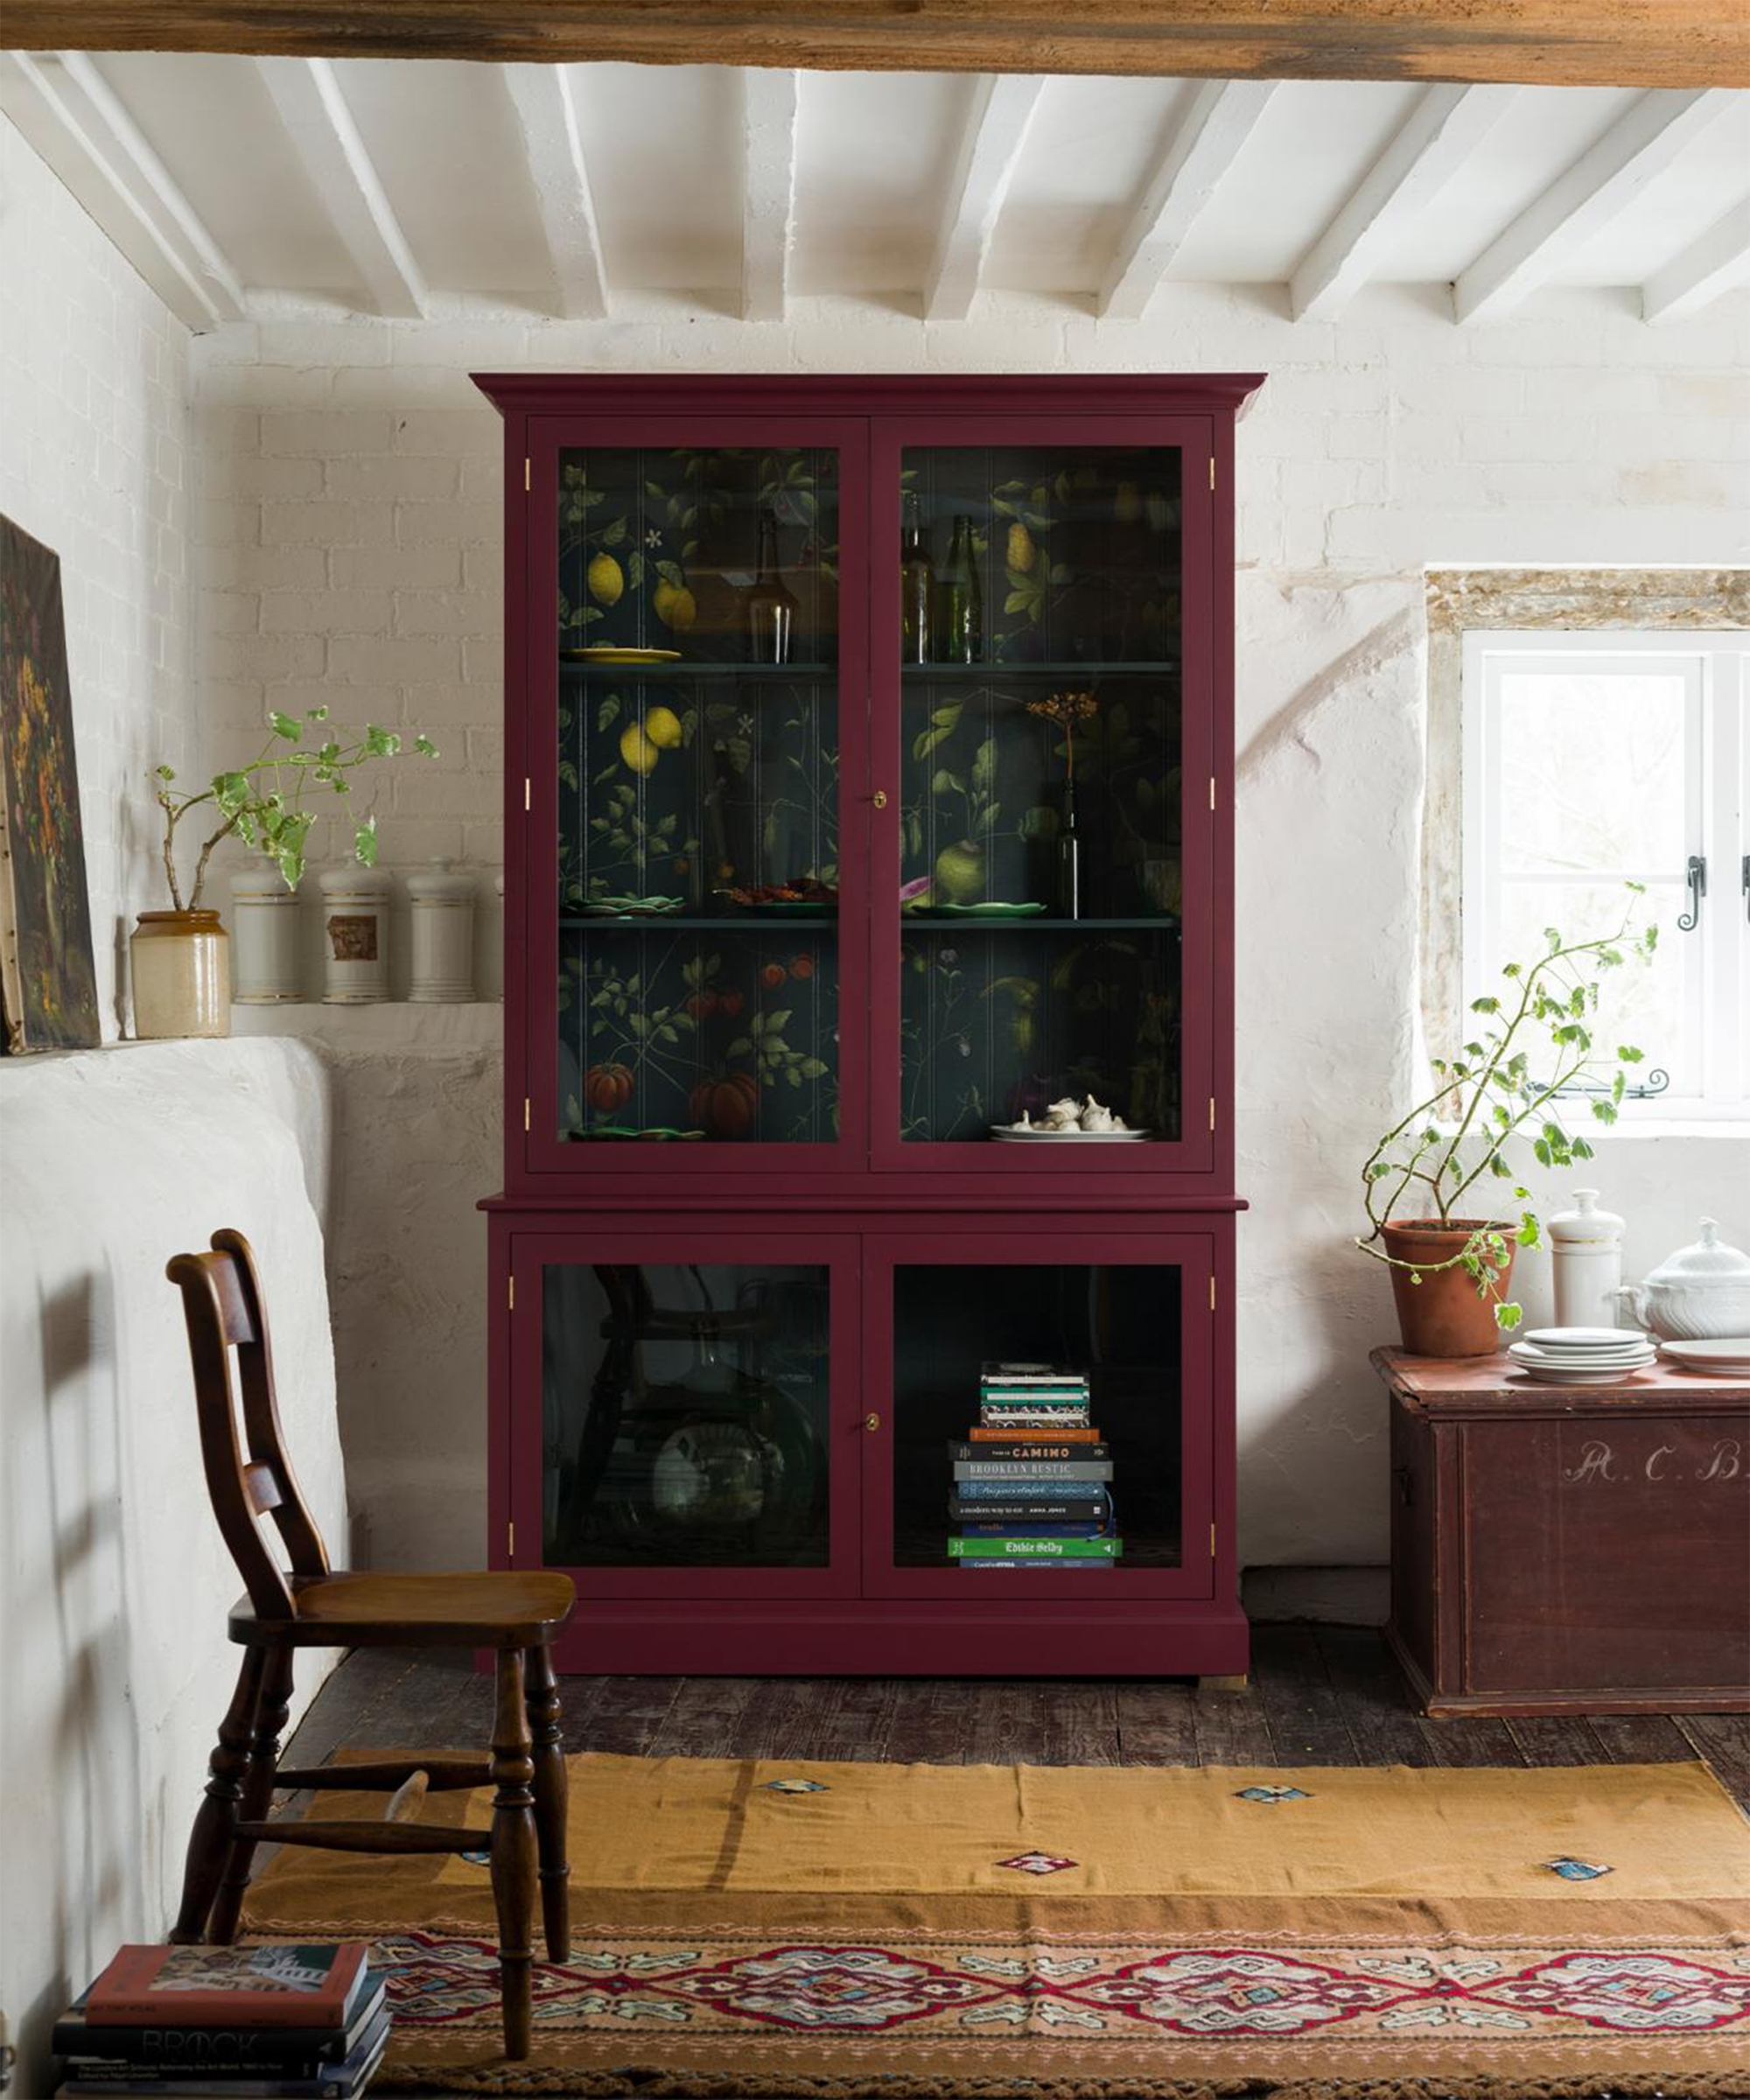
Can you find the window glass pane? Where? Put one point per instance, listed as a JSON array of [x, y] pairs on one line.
[[1639, 1004], [685, 1415], [1592, 771]]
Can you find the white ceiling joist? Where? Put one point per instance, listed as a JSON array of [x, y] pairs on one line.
[[1438, 137], [1718, 262], [1185, 177], [1578, 206], [548, 116], [307, 93], [93, 144], [771, 101], [1003, 106]]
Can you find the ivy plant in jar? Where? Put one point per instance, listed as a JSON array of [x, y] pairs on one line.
[[180, 957], [1537, 1049]]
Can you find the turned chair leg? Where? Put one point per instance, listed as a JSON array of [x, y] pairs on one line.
[[514, 1850], [549, 1804], [210, 1842], [258, 1790]]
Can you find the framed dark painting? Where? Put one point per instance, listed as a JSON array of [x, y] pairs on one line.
[[48, 977]]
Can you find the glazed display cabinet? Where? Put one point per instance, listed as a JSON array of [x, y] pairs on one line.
[[869, 1022]]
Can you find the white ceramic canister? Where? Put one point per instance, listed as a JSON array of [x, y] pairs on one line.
[[1699, 1293], [1586, 1256], [180, 963], [442, 936], [266, 967], [354, 936]]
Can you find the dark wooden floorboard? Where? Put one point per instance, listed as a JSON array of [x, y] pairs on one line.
[[1383, 1725], [1325, 1694], [1724, 1740], [1304, 1713], [1556, 1738]]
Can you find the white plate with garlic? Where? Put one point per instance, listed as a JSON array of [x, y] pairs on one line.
[[1089, 1120]]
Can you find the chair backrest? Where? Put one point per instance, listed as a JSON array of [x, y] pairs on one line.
[[247, 1476]]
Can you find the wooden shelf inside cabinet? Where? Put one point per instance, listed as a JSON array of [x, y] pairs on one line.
[[759, 1245]]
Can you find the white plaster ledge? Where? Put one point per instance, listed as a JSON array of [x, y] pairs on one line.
[[390, 1027]]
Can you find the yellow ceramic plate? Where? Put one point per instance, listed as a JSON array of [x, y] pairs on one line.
[[605, 653]]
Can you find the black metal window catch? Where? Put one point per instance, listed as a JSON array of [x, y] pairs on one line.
[[1744, 882], [1695, 876]]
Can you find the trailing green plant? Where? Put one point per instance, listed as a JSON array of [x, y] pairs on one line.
[[1497, 1093], [262, 801]]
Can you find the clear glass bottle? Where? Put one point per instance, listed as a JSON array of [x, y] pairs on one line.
[[1068, 858], [917, 587], [960, 600], [769, 607]]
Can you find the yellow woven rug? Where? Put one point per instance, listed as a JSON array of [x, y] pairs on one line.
[[927, 1932]]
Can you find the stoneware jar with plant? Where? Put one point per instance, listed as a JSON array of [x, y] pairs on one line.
[[180, 957], [1539, 1050]]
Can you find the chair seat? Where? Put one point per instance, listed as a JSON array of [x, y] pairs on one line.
[[511, 1609]]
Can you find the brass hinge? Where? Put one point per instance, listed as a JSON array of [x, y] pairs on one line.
[[529, 795], [510, 1294], [1211, 1111], [1212, 473], [528, 479], [1212, 1542], [510, 1540], [1212, 791], [526, 1123], [1212, 1294]]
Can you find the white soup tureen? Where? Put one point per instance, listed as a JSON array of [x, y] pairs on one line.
[[1697, 1293]]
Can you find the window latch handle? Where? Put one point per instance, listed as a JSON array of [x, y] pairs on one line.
[[1694, 877], [1744, 883]]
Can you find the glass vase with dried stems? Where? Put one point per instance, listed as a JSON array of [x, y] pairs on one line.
[[1065, 710]]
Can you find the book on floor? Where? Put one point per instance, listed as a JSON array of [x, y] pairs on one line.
[[277, 1986], [245, 2050], [338, 2081]]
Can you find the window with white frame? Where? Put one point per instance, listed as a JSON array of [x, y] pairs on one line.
[[1592, 761]]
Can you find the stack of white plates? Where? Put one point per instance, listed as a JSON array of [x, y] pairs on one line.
[[1723, 1356], [1583, 1356]]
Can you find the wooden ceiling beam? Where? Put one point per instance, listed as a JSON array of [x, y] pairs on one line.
[[546, 116], [1580, 203], [1716, 263], [1003, 106], [771, 104], [325, 137], [97, 150], [1185, 175], [1437, 138], [1543, 43]]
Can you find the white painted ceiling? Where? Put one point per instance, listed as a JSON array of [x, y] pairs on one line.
[[375, 186]]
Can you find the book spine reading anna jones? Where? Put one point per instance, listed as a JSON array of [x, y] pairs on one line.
[[1032, 1479]]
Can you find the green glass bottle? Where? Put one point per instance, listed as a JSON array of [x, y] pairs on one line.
[[917, 587], [960, 600]]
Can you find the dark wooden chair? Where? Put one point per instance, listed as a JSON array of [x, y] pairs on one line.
[[516, 1614]]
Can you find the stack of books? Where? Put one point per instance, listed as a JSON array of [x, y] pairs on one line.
[[1032, 1481], [263, 2023]]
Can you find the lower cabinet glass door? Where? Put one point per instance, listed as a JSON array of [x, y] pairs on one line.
[[1037, 1417], [682, 1396]]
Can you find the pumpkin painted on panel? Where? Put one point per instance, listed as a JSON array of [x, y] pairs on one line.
[[725, 1107], [608, 1087]]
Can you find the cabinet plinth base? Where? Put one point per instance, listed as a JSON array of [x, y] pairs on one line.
[[612, 1638]]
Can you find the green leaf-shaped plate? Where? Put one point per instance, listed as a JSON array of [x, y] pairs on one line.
[[632, 908], [985, 911]]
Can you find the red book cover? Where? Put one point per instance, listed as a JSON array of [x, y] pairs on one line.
[[1023, 1435], [228, 1986]]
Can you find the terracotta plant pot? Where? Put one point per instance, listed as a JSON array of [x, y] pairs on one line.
[[182, 975], [1443, 1315]]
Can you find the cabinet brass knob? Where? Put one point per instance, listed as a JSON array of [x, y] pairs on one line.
[[880, 798], [871, 1423]]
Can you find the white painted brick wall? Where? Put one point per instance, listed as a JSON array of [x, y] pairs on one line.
[[93, 463]]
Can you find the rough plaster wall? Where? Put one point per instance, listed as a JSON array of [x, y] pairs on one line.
[[114, 1582], [94, 442], [350, 522]]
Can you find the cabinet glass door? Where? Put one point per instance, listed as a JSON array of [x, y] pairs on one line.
[[705, 850], [1042, 1416], [691, 1437], [1041, 678]]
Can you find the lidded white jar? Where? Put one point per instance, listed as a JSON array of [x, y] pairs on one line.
[[442, 936], [266, 967], [354, 936], [1586, 1256]]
